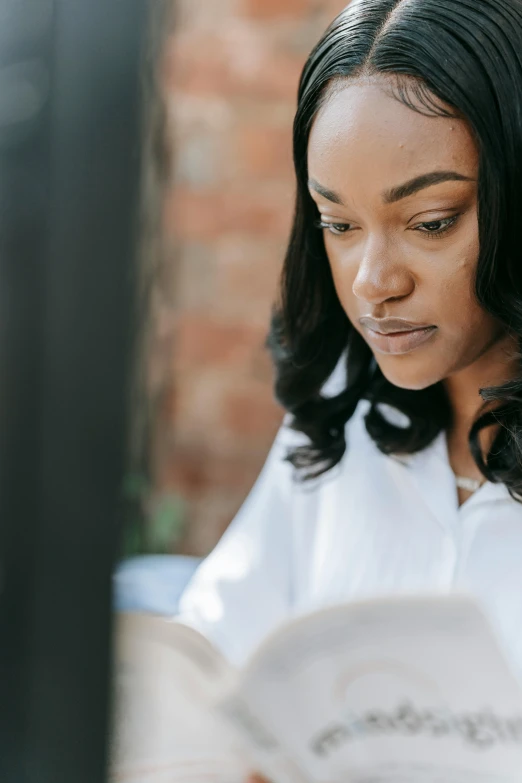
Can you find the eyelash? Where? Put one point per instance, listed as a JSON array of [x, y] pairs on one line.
[[342, 228]]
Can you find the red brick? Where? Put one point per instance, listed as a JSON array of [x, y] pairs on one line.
[[234, 278], [203, 14], [204, 415], [229, 75], [272, 9], [209, 516], [265, 152], [207, 342], [185, 473], [189, 469], [204, 64], [208, 214], [194, 286], [250, 412], [247, 277]]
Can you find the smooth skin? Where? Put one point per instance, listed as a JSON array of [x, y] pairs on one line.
[[403, 245]]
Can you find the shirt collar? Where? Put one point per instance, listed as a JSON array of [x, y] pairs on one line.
[[431, 471], [435, 478]]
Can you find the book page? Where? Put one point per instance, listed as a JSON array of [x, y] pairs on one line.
[[410, 690], [163, 728]]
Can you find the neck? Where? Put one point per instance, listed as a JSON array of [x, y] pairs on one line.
[[497, 365]]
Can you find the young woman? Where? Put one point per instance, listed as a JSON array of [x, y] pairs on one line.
[[396, 337]]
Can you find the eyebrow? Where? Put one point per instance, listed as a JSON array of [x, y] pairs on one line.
[[399, 191]]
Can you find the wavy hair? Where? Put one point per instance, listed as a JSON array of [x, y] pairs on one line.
[[461, 54]]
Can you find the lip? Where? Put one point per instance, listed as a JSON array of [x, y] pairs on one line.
[[399, 342]]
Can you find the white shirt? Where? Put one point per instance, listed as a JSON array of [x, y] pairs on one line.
[[373, 525]]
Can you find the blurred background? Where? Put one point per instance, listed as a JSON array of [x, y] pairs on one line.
[[145, 157], [219, 193]]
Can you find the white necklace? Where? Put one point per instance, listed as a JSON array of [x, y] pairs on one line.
[[468, 484]]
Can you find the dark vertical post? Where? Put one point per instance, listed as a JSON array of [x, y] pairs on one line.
[[69, 183]]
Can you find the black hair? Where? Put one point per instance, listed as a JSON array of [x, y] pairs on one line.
[[461, 54]]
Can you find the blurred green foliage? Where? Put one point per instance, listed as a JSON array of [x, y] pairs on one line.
[[154, 524]]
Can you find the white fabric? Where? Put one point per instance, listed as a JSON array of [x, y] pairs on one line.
[[373, 525]]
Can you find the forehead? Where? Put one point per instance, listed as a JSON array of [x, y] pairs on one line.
[[364, 135]]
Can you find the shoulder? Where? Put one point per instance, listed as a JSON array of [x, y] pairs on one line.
[[360, 455]]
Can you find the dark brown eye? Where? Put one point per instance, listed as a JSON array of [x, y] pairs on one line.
[[334, 228], [434, 228]]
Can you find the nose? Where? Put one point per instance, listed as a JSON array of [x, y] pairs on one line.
[[381, 275]]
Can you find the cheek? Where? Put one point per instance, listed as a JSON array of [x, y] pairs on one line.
[[443, 291], [344, 267], [451, 284], [453, 295]]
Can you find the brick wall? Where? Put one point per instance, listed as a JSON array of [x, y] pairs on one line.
[[230, 72]]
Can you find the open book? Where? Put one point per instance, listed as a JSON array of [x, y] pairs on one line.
[[399, 690]]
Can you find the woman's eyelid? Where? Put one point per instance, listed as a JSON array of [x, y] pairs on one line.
[[437, 213], [336, 219], [425, 216], [343, 223]]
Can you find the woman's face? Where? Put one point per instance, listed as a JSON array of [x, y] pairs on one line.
[[397, 194]]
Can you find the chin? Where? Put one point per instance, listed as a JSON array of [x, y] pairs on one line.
[[406, 373]]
